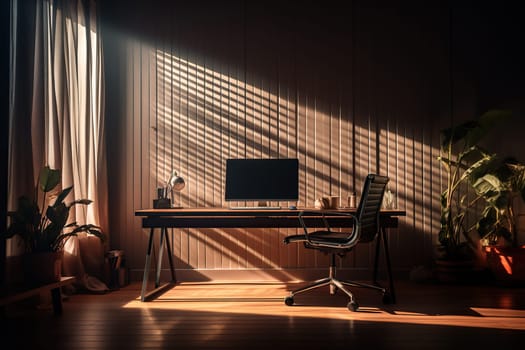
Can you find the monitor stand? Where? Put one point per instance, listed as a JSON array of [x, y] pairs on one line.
[[261, 205]]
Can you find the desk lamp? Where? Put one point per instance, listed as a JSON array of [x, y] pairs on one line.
[[176, 183]]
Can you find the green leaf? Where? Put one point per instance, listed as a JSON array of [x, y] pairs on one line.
[[49, 179], [471, 132], [486, 122], [98, 234], [58, 214], [58, 243], [486, 223], [489, 165], [502, 201], [488, 185], [451, 136], [474, 167], [28, 211], [81, 201], [25, 220], [62, 195], [494, 117]]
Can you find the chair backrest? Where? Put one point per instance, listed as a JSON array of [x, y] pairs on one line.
[[370, 205]]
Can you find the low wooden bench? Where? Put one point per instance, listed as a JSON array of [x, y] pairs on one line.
[[54, 288]]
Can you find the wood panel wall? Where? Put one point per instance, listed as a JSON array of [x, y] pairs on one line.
[[346, 92]]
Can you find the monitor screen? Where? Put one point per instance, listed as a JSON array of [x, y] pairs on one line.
[[262, 180]]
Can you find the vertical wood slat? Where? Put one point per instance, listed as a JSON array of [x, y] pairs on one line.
[[206, 110]]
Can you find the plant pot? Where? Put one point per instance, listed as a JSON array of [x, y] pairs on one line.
[[14, 271], [507, 264], [456, 271], [42, 268], [460, 266]]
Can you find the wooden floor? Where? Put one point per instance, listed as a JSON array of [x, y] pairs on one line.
[[254, 316]]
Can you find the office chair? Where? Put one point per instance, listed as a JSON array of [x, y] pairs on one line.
[[365, 228]]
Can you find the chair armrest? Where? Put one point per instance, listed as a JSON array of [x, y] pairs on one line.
[[324, 214]]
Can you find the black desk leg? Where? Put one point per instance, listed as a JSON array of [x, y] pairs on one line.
[[164, 240], [147, 266], [170, 258], [159, 258], [382, 237], [388, 266]]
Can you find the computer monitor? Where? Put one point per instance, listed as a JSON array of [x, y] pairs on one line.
[[262, 180]]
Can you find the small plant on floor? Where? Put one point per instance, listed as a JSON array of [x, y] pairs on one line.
[[47, 230]]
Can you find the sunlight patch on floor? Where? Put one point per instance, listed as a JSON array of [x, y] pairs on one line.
[[269, 301]]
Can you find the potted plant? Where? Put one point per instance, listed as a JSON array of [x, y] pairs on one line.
[[461, 158], [43, 233], [501, 186]]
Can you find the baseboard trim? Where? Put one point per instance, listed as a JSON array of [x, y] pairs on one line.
[[263, 275]]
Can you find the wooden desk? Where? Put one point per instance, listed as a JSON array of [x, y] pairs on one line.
[[243, 218]]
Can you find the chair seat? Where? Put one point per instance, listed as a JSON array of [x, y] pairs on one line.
[[321, 237]]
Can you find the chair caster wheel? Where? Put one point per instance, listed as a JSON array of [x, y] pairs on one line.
[[333, 290], [352, 306], [288, 301], [387, 299]]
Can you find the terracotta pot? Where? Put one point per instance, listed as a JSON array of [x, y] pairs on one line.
[[507, 264], [462, 266], [456, 271], [42, 268]]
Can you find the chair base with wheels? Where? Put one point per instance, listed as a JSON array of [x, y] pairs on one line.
[[336, 284]]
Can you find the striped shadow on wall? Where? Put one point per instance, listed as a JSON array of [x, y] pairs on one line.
[[343, 115]]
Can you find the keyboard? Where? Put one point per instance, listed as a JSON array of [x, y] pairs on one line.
[[255, 208]]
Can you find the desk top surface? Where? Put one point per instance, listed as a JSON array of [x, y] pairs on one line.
[[207, 211]]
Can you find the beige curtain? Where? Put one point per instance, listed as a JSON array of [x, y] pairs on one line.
[[66, 120]]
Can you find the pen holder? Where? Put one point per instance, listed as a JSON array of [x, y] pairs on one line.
[[162, 203]]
